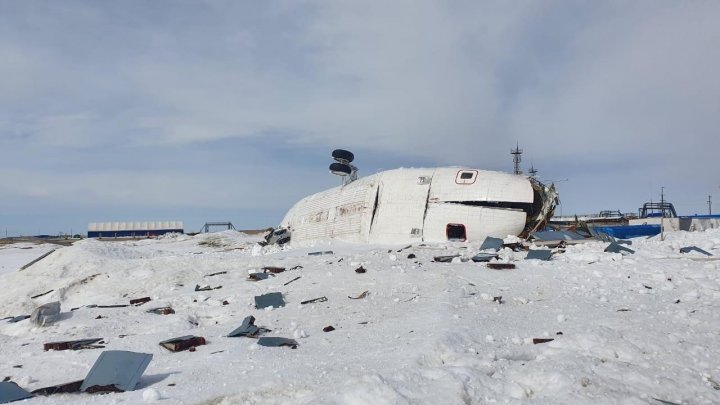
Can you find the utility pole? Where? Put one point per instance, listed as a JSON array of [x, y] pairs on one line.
[[709, 205], [517, 158], [662, 213]]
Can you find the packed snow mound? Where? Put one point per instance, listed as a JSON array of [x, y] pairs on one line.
[[586, 327]]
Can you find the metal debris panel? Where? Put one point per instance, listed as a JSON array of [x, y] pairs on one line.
[[274, 299], [689, 249], [116, 368], [484, 257], [492, 243], [9, 392], [615, 247], [247, 328], [277, 342], [539, 254]]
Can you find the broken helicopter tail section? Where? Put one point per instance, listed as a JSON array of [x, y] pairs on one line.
[[420, 205]]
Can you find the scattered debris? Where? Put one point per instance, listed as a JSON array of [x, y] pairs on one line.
[[500, 266], [37, 260], [274, 270], [539, 254], [327, 252], [206, 288], [108, 306], [258, 276], [328, 328], [361, 296], [624, 310], [161, 311], [565, 235], [274, 299], [484, 257], [46, 314], [647, 286], [18, 318], [498, 299], [689, 249], [278, 236], [615, 247], [116, 371], [40, 295], [74, 344], [666, 402], [314, 300], [139, 301], [492, 243], [515, 246], [411, 256], [9, 392], [66, 388], [445, 259], [225, 302], [360, 270], [215, 274], [248, 329], [183, 343], [277, 342], [296, 278], [537, 341]]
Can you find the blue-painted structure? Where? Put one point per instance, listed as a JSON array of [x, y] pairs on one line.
[[629, 231]]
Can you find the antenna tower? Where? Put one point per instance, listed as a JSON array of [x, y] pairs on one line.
[[533, 171], [517, 158]]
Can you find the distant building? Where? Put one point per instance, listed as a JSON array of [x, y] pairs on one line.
[[133, 229]]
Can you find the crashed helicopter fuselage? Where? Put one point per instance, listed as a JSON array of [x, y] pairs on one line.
[[423, 205]]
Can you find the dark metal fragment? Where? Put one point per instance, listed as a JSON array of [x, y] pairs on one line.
[[445, 259], [66, 388], [314, 300], [40, 295], [139, 301], [277, 342], [296, 278], [274, 299], [542, 340], [501, 266], [329, 328]]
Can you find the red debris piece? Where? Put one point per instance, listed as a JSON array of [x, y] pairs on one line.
[[329, 328], [74, 344], [183, 343], [360, 270]]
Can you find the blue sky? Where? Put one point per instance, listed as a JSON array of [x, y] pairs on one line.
[[228, 110]]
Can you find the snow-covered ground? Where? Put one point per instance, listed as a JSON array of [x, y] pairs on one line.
[[626, 329]]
